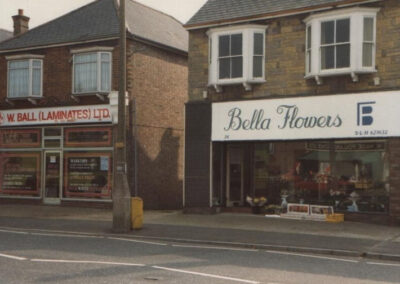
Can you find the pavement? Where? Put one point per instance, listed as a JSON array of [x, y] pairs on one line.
[[224, 229]]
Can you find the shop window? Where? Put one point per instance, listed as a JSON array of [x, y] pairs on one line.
[[25, 78], [92, 72], [351, 176], [88, 137], [341, 42], [87, 175], [20, 138], [20, 174], [237, 56]]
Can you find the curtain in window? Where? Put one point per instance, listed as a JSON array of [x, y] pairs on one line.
[[18, 80], [85, 73], [368, 42], [36, 77], [105, 72]]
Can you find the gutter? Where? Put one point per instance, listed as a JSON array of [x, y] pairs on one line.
[[56, 45], [143, 40], [278, 14]]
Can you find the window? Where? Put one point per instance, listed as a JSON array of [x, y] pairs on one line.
[[230, 56], [24, 76], [335, 44], [237, 55], [87, 175], [20, 173], [341, 42], [92, 72]]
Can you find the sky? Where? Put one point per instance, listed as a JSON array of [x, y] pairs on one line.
[[41, 11]]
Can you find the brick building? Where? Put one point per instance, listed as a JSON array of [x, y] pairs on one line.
[[295, 101], [58, 107]]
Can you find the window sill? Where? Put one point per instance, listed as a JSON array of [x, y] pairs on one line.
[[340, 72], [247, 84], [101, 95], [31, 99]]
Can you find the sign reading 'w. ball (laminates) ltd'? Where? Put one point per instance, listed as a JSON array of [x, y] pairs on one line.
[[57, 115], [334, 116]]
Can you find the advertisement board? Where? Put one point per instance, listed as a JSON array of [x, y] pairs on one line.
[[57, 115], [20, 173], [366, 115], [87, 174]]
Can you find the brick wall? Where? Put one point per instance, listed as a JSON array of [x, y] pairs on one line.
[[157, 80], [285, 71], [57, 77], [285, 61]]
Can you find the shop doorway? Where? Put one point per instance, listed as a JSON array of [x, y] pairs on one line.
[[52, 177], [235, 175]]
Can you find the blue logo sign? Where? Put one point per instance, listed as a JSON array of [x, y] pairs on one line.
[[364, 111]]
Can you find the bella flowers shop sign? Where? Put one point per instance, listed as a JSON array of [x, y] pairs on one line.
[[335, 116], [58, 115]]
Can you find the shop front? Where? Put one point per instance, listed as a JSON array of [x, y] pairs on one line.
[[336, 150], [56, 155]]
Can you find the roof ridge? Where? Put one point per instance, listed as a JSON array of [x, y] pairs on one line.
[[158, 11]]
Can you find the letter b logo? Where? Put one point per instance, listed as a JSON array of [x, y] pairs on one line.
[[364, 113]]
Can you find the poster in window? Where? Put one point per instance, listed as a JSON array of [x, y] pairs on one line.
[[17, 138], [88, 175], [20, 174]]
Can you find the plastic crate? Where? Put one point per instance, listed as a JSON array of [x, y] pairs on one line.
[[335, 218]]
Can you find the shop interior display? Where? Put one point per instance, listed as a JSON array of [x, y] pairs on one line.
[[350, 176]]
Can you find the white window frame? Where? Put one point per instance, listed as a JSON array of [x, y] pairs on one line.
[[98, 51], [30, 58], [356, 16], [247, 32]]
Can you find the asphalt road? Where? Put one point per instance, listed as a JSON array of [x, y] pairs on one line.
[[48, 257]]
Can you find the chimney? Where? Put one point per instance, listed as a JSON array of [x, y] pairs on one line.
[[20, 23]]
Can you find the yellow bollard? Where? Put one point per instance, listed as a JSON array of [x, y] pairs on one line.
[[137, 213]]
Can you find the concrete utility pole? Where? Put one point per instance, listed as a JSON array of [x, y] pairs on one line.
[[121, 192]]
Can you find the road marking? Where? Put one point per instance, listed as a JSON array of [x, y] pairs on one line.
[[87, 262], [212, 247], [206, 275], [312, 256], [384, 264], [12, 256], [14, 232], [51, 231], [66, 235], [137, 241]]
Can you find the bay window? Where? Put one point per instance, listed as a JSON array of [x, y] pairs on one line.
[[91, 71], [24, 76], [237, 56], [341, 42]]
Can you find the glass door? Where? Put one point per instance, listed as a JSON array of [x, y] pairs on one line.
[[52, 177], [235, 176]]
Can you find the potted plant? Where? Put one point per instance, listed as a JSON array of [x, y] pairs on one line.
[[256, 203]]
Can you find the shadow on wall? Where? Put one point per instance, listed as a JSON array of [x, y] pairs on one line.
[[158, 182]]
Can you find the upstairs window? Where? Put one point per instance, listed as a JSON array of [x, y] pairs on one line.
[[24, 77], [335, 44], [91, 71], [341, 42], [230, 56], [237, 56]]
